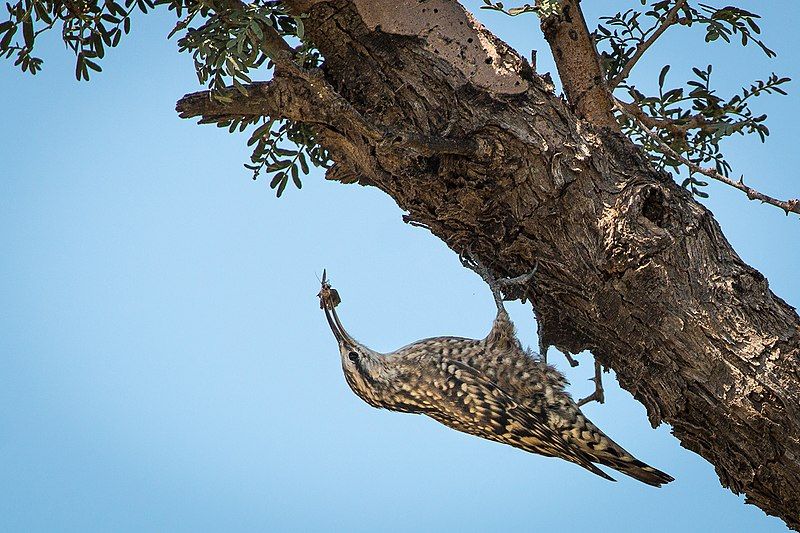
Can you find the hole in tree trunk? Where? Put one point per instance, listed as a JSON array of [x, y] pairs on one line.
[[432, 164], [653, 208]]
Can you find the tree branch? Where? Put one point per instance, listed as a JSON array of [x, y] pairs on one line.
[[631, 266], [713, 352], [789, 206], [262, 99], [669, 19], [578, 64], [308, 98]]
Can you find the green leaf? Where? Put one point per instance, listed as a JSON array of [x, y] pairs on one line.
[[278, 165], [663, 75], [276, 179], [92, 65], [260, 132], [6, 40], [303, 163], [27, 33], [79, 68]]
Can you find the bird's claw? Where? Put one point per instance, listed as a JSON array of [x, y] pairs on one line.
[[522, 280], [599, 394]]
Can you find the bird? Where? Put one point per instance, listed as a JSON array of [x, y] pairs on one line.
[[490, 388]]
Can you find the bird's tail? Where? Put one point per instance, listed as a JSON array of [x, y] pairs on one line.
[[582, 434], [630, 466]]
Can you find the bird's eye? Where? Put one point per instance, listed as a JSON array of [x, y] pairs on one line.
[[353, 356]]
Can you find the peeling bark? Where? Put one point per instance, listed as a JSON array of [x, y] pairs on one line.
[[459, 131]]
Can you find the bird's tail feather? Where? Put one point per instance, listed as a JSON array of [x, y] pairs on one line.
[[601, 449], [638, 470], [594, 469]]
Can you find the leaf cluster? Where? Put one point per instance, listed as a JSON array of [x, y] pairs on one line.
[[282, 148], [620, 36], [226, 48], [271, 155], [691, 118], [231, 43], [87, 28], [228, 43]]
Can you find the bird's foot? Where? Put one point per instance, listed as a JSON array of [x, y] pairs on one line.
[[470, 260], [518, 287], [598, 395], [519, 281]]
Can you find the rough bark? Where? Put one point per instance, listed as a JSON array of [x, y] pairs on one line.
[[458, 130]]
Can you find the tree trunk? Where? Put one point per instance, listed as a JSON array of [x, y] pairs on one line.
[[419, 100]]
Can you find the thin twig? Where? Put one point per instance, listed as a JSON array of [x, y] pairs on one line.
[[670, 19], [680, 126], [789, 206]]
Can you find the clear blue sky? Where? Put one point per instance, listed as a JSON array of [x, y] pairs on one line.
[[164, 364]]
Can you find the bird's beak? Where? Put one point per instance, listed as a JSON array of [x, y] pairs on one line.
[[328, 300]]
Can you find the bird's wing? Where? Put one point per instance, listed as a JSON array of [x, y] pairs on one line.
[[460, 397]]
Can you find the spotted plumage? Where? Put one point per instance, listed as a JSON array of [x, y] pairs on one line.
[[491, 388]]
